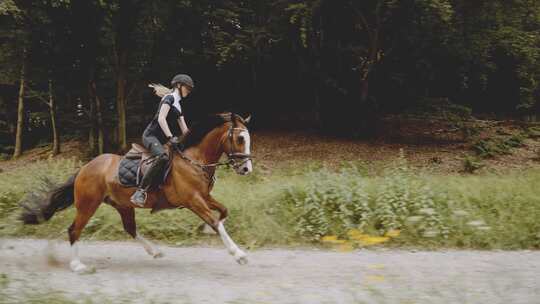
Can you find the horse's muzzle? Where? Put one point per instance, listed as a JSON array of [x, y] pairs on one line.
[[244, 168]]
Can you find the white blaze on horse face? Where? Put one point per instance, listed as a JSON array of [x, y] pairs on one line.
[[247, 150]]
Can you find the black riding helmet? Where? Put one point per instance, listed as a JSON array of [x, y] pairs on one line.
[[183, 79]]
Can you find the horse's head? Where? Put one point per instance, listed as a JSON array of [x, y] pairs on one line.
[[237, 145]]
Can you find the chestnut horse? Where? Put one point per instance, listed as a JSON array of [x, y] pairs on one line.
[[188, 185]]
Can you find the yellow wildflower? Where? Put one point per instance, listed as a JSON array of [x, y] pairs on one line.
[[356, 235], [393, 233], [329, 238], [374, 240], [332, 239]]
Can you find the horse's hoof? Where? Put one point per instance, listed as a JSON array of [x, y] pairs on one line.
[[241, 258], [158, 255], [78, 267]]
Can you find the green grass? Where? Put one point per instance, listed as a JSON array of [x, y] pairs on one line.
[[300, 205]]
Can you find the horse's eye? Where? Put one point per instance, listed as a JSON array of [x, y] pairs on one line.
[[240, 139]]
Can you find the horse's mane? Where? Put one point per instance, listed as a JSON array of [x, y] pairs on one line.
[[200, 128]]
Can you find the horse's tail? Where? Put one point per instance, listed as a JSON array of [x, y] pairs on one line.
[[57, 200]]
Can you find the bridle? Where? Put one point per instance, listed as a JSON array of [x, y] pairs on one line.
[[234, 159]]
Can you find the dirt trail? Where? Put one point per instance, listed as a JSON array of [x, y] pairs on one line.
[[209, 275]]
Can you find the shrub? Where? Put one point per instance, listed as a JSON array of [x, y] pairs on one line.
[[492, 147], [331, 203], [404, 199]]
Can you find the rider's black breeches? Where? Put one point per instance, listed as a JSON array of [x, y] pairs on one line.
[[159, 163]]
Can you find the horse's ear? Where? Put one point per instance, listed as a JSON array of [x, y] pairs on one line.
[[247, 119]]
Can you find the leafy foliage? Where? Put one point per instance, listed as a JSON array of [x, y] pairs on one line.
[[402, 198], [492, 147], [335, 60], [294, 207], [331, 204], [334, 203]]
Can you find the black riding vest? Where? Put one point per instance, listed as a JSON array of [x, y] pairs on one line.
[[153, 128]]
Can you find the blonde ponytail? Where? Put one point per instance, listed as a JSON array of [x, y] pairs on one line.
[[160, 90]]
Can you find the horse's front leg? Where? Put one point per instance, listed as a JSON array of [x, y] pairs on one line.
[[215, 205], [202, 207], [238, 254]]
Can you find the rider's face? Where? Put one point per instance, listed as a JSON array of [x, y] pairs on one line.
[[185, 90]]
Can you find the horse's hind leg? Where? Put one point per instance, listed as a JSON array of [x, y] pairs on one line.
[[128, 220], [85, 210]]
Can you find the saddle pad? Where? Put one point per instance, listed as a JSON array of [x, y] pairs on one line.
[[127, 172]]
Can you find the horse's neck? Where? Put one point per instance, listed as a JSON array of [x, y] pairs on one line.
[[210, 149]]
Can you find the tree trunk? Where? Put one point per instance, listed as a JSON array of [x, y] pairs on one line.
[[52, 111], [372, 61], [114, 134], [20, 110], [121, 103], [92, 141], [364, 89], [99, 126], [125, 22], [92, 132], [98, 118]]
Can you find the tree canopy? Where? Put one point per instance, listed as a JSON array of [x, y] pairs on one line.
[[330, 64]]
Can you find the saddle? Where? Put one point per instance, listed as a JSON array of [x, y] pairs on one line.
[[136, 163]]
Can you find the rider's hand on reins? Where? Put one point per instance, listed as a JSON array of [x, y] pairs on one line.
[[174, 140]]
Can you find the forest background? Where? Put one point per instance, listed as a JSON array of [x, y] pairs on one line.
[[82, 68]]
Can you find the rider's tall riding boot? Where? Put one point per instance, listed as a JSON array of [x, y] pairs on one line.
[[151, 178]]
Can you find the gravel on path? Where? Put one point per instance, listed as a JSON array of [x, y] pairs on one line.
[[125, 273]]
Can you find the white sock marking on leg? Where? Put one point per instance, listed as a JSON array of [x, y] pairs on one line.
[[229, 243], [75, 263], [148, 246], [75, 252], [239, 255]]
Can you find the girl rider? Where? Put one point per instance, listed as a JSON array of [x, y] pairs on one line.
[[167, 125]]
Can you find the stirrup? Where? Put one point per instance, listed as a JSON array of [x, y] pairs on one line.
[[135, 196]]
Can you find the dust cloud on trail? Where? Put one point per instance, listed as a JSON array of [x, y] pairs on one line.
[[123, 272]]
